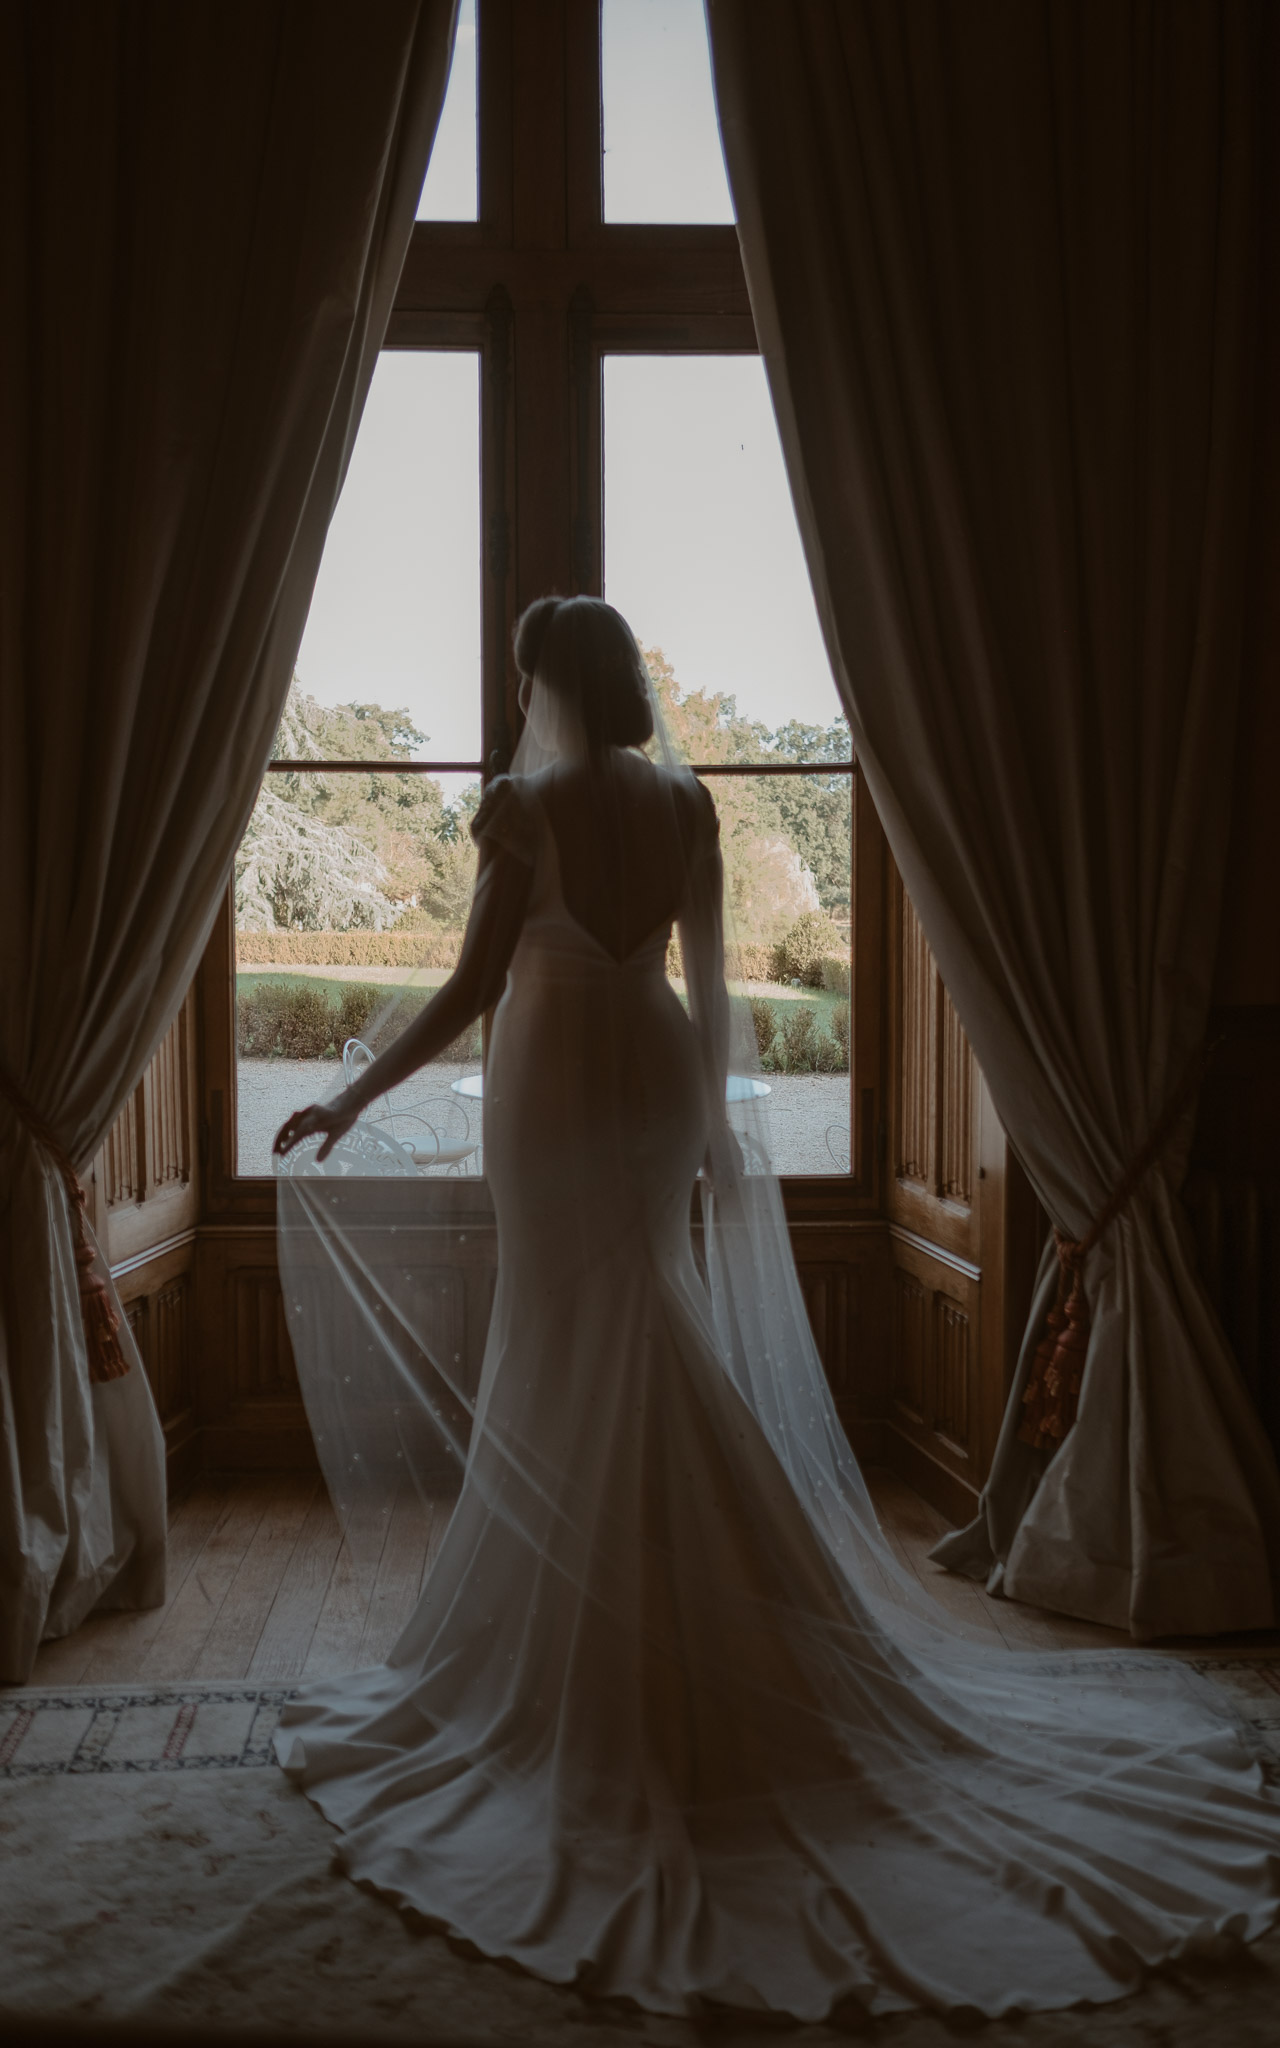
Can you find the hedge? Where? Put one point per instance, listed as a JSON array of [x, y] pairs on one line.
[[790, 960], [348, 949]]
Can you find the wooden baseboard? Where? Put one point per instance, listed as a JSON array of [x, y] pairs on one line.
[[944, 1490], [866, 1434], [182, 1451], [238, 1447]]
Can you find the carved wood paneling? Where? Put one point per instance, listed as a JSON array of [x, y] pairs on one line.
[[142, 1184], [831, 1296], [156, 1295], [955, 1106], [122, 1158], [261, 1360], [950, 1404], [910, 1344], [167, 1108], [915, 1052], [170, 1358]]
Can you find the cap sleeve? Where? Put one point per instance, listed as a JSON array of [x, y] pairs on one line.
[[706, 827], [503, 820]]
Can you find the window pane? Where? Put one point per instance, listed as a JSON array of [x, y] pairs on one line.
[[662, 154], [390, 660], [787, 843], [701, 550], [449, 191], [351, 894]]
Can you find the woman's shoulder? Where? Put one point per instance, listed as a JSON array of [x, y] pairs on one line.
[[693, 803], [502, 817]]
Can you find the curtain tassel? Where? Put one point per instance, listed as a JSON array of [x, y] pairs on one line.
[[101, 1323], [1053, 1385], [97, 1310]]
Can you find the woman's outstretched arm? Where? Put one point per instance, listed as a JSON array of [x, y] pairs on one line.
[[498, 911]]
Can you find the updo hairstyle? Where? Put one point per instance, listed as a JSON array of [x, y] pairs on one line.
[[585, 653]]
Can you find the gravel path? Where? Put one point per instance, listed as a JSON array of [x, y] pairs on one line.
[[800, 1112]]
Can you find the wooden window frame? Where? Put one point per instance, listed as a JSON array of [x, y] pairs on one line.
[[541, 289]]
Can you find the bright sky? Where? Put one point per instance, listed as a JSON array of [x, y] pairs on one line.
[[701, 548]]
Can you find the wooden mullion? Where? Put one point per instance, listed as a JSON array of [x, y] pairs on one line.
[[584, 122], [587, 447], [499, 682], [494, 95], [650, 280], [450, 331], [538, 109]]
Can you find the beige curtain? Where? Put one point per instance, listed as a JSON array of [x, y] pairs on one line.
[[204, 210], [1002, 257]]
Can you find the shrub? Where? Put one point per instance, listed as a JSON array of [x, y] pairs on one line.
[[749, 962], [293, 1021], [800, 1040], [434, 948], [358, 1003], [839, 1021], [764, 1024], [800, 953], [285, 1018], [468, 1045], [837, 974]]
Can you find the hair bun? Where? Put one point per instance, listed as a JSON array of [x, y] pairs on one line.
[[531, 633], [585, 654]]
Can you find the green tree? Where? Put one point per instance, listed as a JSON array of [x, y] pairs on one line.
[[774, 829], [420, 840]]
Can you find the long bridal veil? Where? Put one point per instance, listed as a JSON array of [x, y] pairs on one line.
[[386, 1273], [670, 1712]]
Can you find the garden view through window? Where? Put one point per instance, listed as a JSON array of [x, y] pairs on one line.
[[352, 886]]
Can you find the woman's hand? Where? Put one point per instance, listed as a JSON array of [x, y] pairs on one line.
[[333, 1118]]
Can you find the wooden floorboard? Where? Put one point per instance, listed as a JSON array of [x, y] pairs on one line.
[[261, 1586], [285, 1642], [228, 1649], [190, 1618], [340, 1627], [400, 1574], [192, 1521]]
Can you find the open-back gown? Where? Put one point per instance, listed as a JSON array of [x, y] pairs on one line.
[[643, 1731]]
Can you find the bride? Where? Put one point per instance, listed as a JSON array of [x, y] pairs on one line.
[[668, 1722]]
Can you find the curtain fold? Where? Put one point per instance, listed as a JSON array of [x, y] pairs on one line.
[[204, 214], [1002, 260]]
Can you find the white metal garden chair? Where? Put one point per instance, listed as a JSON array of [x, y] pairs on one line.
[[433, 1132]]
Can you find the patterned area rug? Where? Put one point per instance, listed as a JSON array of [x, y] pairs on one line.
[[155, 1864], [87, 1732]]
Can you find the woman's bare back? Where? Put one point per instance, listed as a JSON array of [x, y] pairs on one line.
[[624, 832]]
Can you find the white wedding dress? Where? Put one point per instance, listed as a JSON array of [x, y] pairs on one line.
[[664, 1724]]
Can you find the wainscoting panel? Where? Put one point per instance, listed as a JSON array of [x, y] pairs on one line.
[[143, 1200], [964, 1235], [156, 1293], [142, 1186], [915, 1047], [932, 1092], [250, 1406]]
